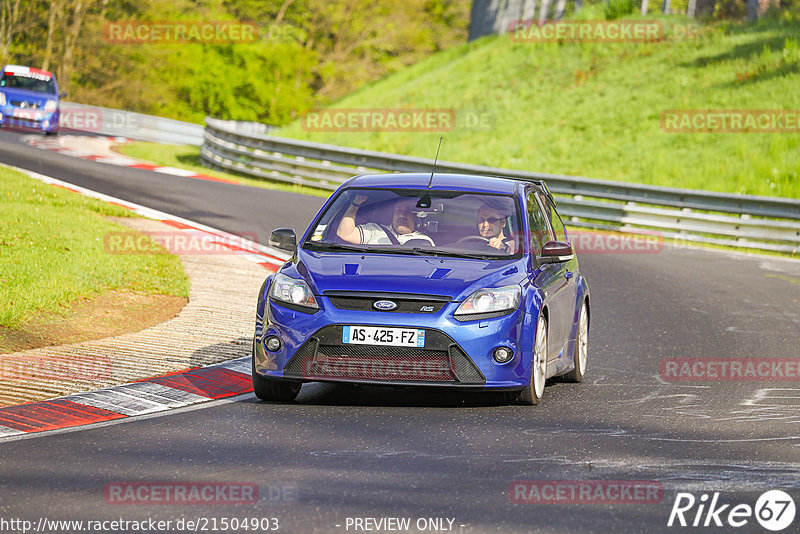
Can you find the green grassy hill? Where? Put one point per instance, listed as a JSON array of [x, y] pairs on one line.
[[594, 109]]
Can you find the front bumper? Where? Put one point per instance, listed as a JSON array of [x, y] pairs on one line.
[[38, 120], [456, 353]]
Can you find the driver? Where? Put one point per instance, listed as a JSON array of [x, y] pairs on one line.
[[402, 228], [491, 224]]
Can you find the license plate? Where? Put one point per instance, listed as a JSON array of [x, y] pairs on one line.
[[378, 335], [24, 113]]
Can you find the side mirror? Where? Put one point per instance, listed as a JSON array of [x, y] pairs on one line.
[[284, 239], [556, 252]]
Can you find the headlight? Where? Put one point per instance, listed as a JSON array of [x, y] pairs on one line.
[[491, 300], [50, 106], [2, 98], [297, 292]]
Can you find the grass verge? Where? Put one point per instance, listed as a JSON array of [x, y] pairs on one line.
[[52, 250], [595, 109]]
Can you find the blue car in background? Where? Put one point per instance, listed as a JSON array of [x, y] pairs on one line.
[[441, 280], [29, 98]]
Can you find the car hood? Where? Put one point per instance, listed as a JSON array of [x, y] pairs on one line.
[[28, 96], [456, 278]]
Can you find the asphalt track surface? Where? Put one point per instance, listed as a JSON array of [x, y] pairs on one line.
[[366, 452]]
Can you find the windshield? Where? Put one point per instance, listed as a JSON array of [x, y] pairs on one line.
[[29, 83], [439, 223]]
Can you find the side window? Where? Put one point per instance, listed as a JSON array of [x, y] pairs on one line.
[[540, 233], [558, 226]]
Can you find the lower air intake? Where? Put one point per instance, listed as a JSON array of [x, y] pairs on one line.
[[442, 361]]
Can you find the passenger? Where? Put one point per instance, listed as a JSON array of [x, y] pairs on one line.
[[402, 228], [491, 223]]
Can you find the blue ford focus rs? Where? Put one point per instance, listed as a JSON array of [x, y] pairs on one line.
[[425, 280]]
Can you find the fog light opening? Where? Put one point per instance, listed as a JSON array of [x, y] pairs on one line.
[[273, 343], [502, 354]]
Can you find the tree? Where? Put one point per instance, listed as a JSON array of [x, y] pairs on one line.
[[544, 11], [753, 10], [560, 8], [53, 16], [9, 25]]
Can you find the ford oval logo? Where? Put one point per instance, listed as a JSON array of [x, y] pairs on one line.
[[384, 305]]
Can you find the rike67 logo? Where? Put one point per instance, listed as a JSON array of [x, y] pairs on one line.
[[774, 510]]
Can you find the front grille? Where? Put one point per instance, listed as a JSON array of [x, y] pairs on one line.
[[463, 367], [24, 104], [385, 363], [325, 357], [25, 123], [403, 306], [406, 303]]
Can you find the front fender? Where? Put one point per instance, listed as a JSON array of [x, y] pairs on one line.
[[581, 294], [261, 305]]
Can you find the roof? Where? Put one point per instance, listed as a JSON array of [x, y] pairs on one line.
[[441, 182], [31, 72]]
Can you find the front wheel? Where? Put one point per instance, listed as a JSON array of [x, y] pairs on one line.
[[268, 389], [533, 393], [581, 353]]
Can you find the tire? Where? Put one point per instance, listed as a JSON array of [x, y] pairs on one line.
[[581, 353], [509, 397], [535, 390], [268, 389]]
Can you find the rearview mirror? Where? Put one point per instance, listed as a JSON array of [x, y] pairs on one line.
[[284, 239], [556, 252]]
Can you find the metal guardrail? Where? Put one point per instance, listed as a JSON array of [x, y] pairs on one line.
[[764, 223], [118, 123]]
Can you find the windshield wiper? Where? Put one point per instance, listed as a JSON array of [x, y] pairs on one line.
[[430, 252], [338, 246], [471, 255]]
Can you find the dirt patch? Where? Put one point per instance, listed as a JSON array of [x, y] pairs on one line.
[[108, 314]]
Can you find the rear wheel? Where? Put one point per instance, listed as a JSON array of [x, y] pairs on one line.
[[533, 393], [581, 353], [268, 389]]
